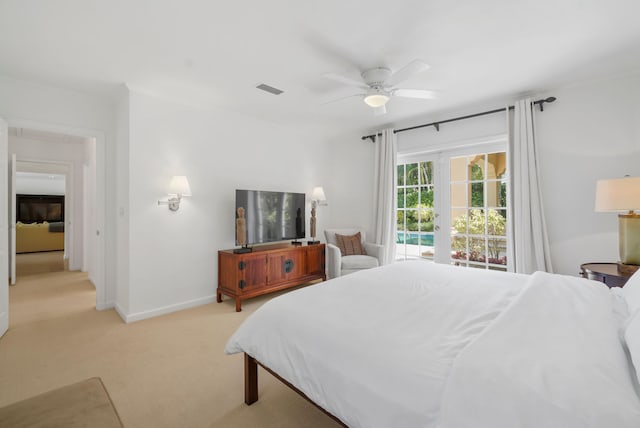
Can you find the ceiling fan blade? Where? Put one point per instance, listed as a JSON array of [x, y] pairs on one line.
[[415, 93], [379, 111], [414, 67], [345, 80], [342, 98]]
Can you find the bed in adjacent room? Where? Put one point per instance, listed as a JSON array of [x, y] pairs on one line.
[[417, 344]]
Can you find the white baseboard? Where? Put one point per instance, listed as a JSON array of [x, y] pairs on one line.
[[164, 310], [106, 305], [120, 312]]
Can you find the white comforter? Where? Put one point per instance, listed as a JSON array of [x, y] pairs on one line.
[[416, 344]]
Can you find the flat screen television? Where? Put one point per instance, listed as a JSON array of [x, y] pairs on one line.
[[39, 208], [271, 216]]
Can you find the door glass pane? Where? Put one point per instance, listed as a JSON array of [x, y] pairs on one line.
[[412, 197], [400, 173], [458, 220], [477, 194], [497, 251], [426, 172], [412, 220], [426, 219], [459, 168], [412, 174], [400, 219], [496, 222], [478, 169], [426, 196], [458, 194], [493, 194], [497, 165], [400, 198], [477, 251]]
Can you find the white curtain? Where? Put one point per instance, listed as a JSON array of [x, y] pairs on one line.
[[530, 249], [385, 194]]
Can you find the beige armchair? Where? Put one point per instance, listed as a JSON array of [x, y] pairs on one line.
[[339, 265]]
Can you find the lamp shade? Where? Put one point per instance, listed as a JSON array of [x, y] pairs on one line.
[[179, 185], [318, 194], [618, 194]]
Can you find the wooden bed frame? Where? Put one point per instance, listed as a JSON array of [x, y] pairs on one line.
[[251, 385]]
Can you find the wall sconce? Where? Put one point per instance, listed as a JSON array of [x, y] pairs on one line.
[[178, 187], [317, 198], [623, 195]]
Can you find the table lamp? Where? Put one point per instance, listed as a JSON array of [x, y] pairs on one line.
[[623, 195]]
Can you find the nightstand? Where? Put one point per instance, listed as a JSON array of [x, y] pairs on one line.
[[612, 274]]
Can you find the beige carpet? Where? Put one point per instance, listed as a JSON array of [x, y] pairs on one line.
[[83, 404], [37, 263], [168, 371]]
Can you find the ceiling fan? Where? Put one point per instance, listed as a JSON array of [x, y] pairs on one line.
[[379, 85]]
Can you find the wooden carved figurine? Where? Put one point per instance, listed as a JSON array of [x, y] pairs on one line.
[[241, 228], [312, 223]]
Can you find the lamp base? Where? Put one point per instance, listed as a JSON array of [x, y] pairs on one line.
[[629, 238], [242, 250], [313, 242]]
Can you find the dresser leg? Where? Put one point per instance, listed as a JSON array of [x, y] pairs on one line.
[[218, 296], [238, 304]]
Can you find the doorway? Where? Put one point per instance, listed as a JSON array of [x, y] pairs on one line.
[[453, 206], [40, 237], [84, 192]]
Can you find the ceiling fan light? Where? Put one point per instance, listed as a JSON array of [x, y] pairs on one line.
[[376, 99]]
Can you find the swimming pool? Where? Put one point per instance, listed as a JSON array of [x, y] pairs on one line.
[[415, 238]]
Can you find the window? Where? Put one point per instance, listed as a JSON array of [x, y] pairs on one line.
[[470, 187]]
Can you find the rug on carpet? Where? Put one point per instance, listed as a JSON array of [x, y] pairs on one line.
[[83, 404]]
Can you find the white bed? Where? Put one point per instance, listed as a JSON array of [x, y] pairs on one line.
[[416, 344]]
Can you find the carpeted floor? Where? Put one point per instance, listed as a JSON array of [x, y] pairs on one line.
[[37, 263], [167, 371]]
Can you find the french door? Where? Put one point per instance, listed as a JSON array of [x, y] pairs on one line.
[[453, 207]]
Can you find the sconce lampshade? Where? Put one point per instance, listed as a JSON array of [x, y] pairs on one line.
[[623, 195], [318, 194], [179, 185]]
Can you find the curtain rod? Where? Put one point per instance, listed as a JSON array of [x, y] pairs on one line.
[[438, 123]]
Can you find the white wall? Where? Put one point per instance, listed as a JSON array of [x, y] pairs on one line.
[[55, 108], [591, 132], [40, 184], [348, 185], [173, 255]]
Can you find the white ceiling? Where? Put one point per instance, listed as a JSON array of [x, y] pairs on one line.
[[214, 53]]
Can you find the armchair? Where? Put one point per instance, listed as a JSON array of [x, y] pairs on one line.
[[339, 265]]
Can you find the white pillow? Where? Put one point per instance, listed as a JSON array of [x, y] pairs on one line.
[[632, 338], [631, 292]]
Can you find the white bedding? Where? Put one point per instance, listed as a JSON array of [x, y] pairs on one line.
[[417, 344]]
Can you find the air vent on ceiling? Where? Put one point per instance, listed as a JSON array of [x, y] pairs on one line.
[[270, 89]]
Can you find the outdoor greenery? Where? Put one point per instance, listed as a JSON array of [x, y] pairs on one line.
[[495, 225], [417, 197]]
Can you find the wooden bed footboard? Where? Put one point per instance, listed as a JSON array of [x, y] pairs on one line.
[[251, 385]]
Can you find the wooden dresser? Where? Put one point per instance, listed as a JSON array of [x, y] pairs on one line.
[[267, 269]]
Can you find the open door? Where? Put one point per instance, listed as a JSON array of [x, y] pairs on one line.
[[4, 236], [12, 218]]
